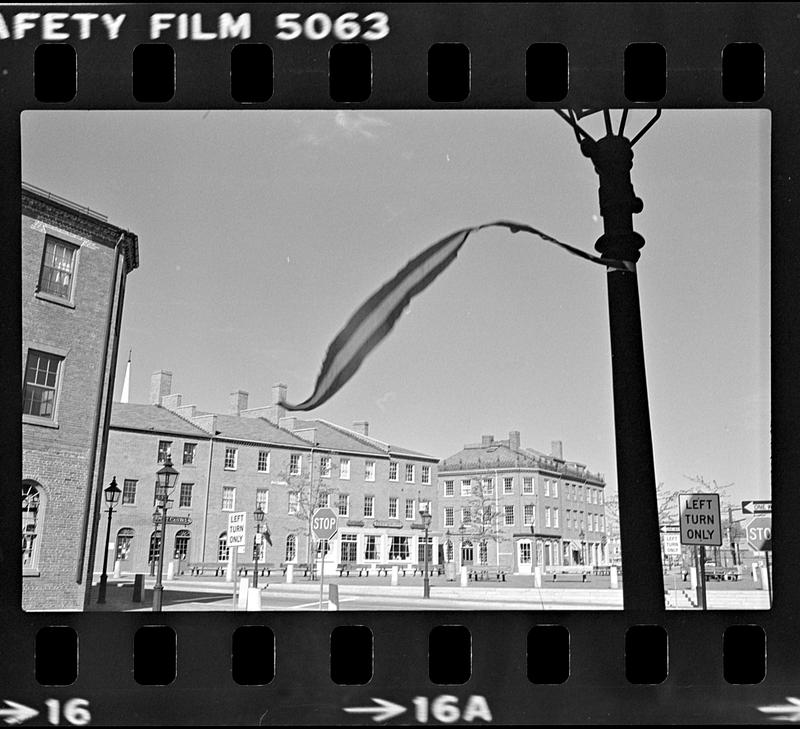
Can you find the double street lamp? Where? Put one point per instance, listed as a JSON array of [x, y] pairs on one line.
[[111, 494], [166, 478], [426, 581], [259, 517]]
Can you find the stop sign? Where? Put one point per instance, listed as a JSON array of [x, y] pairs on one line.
[[324, 523], [759, 533]]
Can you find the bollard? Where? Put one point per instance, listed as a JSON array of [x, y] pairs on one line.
[[537, 576], [138, 588], [612, 572], [253, 599], [117, 568], [693, 577], [395, 575], [289, 574], [754, 571], [244, 586], [229, 571], [764, 577], [171, 570], [333, 596], [464, 577]]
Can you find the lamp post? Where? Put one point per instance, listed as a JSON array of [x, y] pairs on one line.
[[111, 494], [426, 582], [582, 537], [165, 483], [259, 517]]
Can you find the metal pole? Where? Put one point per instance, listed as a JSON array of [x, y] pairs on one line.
[[158, 589], [702, 578], [426, 583], [769, 579], [612, 157], [257, 550], [101, 592], [321, 569]]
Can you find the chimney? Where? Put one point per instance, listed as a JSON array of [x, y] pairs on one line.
[[361, 426], [487, 440], [275, 411], [171, 402], [237, 402], [556, 449], [160, 385], [289, 423], [513, 440]]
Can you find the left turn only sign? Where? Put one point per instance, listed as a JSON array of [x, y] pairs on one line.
[[700, 520], [237, 525]]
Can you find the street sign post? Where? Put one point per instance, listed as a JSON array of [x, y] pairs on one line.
[[237, 528], [756, 507], [759, 537], [324, 525], [701, 526]]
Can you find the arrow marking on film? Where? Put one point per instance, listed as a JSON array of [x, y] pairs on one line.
[[792, 709], [16, 713], [386, 710]]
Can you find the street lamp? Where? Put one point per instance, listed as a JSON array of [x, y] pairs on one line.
[[259, 516], [165, 483], [111, 494], [426, 522], [582, 537]]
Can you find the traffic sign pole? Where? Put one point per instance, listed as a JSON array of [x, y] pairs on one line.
[[321, 570], [702, 579], [324, 524], [769, 579]]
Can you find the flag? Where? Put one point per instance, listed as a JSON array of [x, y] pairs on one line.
[[375, 318]]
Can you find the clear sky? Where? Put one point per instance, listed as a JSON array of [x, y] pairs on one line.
[[261, 232]]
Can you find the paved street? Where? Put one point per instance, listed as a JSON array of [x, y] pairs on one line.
[[374, 593]]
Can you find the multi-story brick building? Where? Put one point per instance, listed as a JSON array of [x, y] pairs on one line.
[[74, 268], [501, 504], [250, 457]]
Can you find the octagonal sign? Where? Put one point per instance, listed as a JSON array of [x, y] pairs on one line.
[[324, 523], [759, 533]]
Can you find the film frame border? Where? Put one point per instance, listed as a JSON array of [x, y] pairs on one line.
[[597, 690]]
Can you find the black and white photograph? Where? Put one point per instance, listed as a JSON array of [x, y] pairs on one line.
[[386, 360]]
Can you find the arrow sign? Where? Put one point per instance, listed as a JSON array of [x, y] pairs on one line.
[[16, 713], [757, 507], [792, 709], [385, 710]]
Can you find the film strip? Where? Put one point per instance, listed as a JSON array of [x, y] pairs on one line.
[[390, 661]]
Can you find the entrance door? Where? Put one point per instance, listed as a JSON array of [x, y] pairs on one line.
[[524, 556]]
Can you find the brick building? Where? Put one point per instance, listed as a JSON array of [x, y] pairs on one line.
[[74, 268], [249, 457], [501, 504]]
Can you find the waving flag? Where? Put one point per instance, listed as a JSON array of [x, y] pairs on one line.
[[375, 318]]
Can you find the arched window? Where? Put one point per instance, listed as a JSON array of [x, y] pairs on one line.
[[32, 503], [124, 541], [467, 553], [182, 544], [291, 548], [483, 552], [223, 551], [155, 548]]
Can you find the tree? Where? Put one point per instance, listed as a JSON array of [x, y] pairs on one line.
[[483, 516]]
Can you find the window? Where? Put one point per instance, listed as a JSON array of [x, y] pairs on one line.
[[262, 500], [31, 525], [325, 464], [344, 468], [155, 547], [58, 268], [129, 491], [182, 544], [449, 518], [263, 461], [547, 487], [41, 384], [409, 473], [528, 514], [189, 453], [185, 498], [527, 485], [164, 450], [393, 507], [369, 506], [422, 547], [488, 486], [466, 516], [371, 547], [398, 549], [294, 501], [483, 552], [323, 499], [599, 497], [369, 471], [555, 517], [600, 523], [508, 485], [449, 489], [547, 516], [466, 487], [231, 455], [348, 547], [223, 551], [124, 542], [291, 548], [426, 475], [508, 514], [467, 553], [343, 504], [228, 498], [294, 464], [410, 509], [393, 470], [555, 488]]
